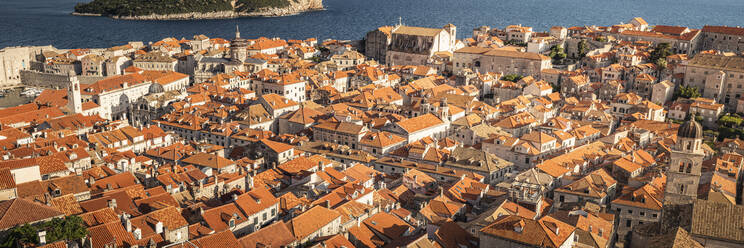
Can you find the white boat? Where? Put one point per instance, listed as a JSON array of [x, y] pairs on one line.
[[31, 92]]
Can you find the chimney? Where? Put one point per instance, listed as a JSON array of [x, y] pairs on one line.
[[137, 234], [159, 227], [328, 203], [42, 237], [127, 222], [235, 197], [112, 203]]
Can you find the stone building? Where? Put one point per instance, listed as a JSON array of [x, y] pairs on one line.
[[156, 61], [717, 77], [686, 159], [639, 206], [493, 168], [416, 45], [500, 61], [116, 94], [238, 60], [723, 38], [685, 41], [376, 43], [662, 92], [347, 59], [12, 61], [153, 106], [208, 67], [93, 65], [116, 65], [62, 65]]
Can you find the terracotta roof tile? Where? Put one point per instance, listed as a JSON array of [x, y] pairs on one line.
[[311, 220], [21, 211]]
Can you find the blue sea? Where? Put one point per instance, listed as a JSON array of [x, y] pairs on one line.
[[45, 22]]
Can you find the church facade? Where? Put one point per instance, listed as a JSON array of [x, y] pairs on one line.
[[416, 45]]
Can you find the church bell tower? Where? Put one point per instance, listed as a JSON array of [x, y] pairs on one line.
[[74, 101], [238, 47], [683, 175]]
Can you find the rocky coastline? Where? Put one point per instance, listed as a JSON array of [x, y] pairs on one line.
[[295, 7]]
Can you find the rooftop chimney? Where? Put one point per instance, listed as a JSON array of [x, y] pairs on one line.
[[112, 203], [137, 234], [159, 227], [42, 237], [127, 222]]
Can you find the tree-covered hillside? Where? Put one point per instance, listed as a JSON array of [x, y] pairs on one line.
[[252, 5], [164, 7]]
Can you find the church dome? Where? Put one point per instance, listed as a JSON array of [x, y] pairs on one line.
[[690, 129]]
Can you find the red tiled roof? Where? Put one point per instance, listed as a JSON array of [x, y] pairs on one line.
[[21, 211]]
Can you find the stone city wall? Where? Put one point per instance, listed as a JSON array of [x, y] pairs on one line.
[[52, 81]]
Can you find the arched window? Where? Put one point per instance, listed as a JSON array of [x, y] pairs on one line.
[[689, 144], [681, 166], [689, 167]]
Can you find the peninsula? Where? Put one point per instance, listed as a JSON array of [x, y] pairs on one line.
[[194, 9]]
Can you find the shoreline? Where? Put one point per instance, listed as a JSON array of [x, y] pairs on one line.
[[221, 15], [84, 14]]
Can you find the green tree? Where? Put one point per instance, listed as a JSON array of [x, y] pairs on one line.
[[512, 77], [164, 7], [556, 88], [21, 235], [557, 54], [661, 65], [583, 48], [662, 50], [687, 92], [70, 228], [73, 228], [730, 120]]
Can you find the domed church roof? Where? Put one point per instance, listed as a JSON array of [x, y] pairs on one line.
[[690, 129]]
